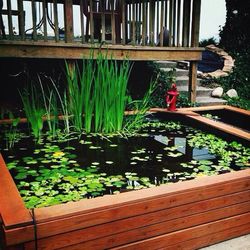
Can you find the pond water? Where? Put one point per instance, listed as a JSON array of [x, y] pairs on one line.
[[91, 165]]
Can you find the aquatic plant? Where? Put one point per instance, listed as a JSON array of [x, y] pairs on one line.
[[97, 94], [51, 111], [33, 109], [12, 135]]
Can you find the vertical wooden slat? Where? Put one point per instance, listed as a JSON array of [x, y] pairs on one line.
[[151, 22], [34, 17], [45, 30], [171, 23], [140, 21], [174, 22], [82, 22], [21, 23], [166, 13], [113, 28], [192, 81], [186, 22], [157, 17], [196, 23], [68, 20], [124, 38], [162, 23], [56, 20], [133, 22], [102, 8], [178, 23], [144, 22], [91, 24], [11, 33]]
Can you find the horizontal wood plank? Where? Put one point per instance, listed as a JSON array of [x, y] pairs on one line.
[[163, 226], [12, 209], [187, 234], [210, 239], [79, 51], [107, 214]]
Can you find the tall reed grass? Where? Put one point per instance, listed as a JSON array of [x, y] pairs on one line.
[[98, 93], [33, 109]]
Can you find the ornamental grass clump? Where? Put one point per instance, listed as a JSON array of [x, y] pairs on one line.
[[33, 109], [97, 95]]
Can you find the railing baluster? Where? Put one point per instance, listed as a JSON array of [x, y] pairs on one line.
[[45, 30], [34, 18], [10, 23], [113, 27], [82, 22], [21, 24], [56, 20], [186, 23], [151, 22], [91, 25], [124, 11], [171, 23], [133, 22], [162, 23], [174, 23], [144, 23], [102, 8], [178, 22]]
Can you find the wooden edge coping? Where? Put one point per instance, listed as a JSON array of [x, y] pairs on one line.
[[190, 112], [111, 201], [12, 209]]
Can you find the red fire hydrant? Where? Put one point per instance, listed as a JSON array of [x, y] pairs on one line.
[[171, 98]]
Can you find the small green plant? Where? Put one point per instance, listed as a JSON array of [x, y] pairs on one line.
[[12, 135], [33, 109], [51, 112]]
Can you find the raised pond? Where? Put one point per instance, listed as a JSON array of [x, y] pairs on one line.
[[91, 165]]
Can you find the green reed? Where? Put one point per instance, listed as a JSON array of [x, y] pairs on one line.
[[33, 109]]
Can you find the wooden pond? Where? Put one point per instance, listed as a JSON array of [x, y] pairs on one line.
[[173, 203]]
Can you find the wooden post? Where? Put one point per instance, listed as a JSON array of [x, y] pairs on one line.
[[192, 81], [68, 20], [194, 43]]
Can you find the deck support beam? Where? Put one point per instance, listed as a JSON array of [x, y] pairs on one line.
[[194, 43]]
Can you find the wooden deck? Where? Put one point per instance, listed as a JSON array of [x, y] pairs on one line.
[[183, 215]]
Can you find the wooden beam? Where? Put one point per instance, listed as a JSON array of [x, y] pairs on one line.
[[54, 50], [192, 81]]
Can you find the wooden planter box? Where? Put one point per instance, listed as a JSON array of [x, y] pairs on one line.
[[184, 215]]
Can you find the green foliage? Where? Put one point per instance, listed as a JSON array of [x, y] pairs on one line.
[[12, 136], [239, 102], [33, 109], [163, 83], [235, 35], [205, 42]]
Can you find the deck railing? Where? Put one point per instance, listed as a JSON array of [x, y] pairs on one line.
[[171, 23]]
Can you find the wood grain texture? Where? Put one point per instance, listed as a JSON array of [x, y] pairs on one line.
[[12, 209], [69, 50]]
